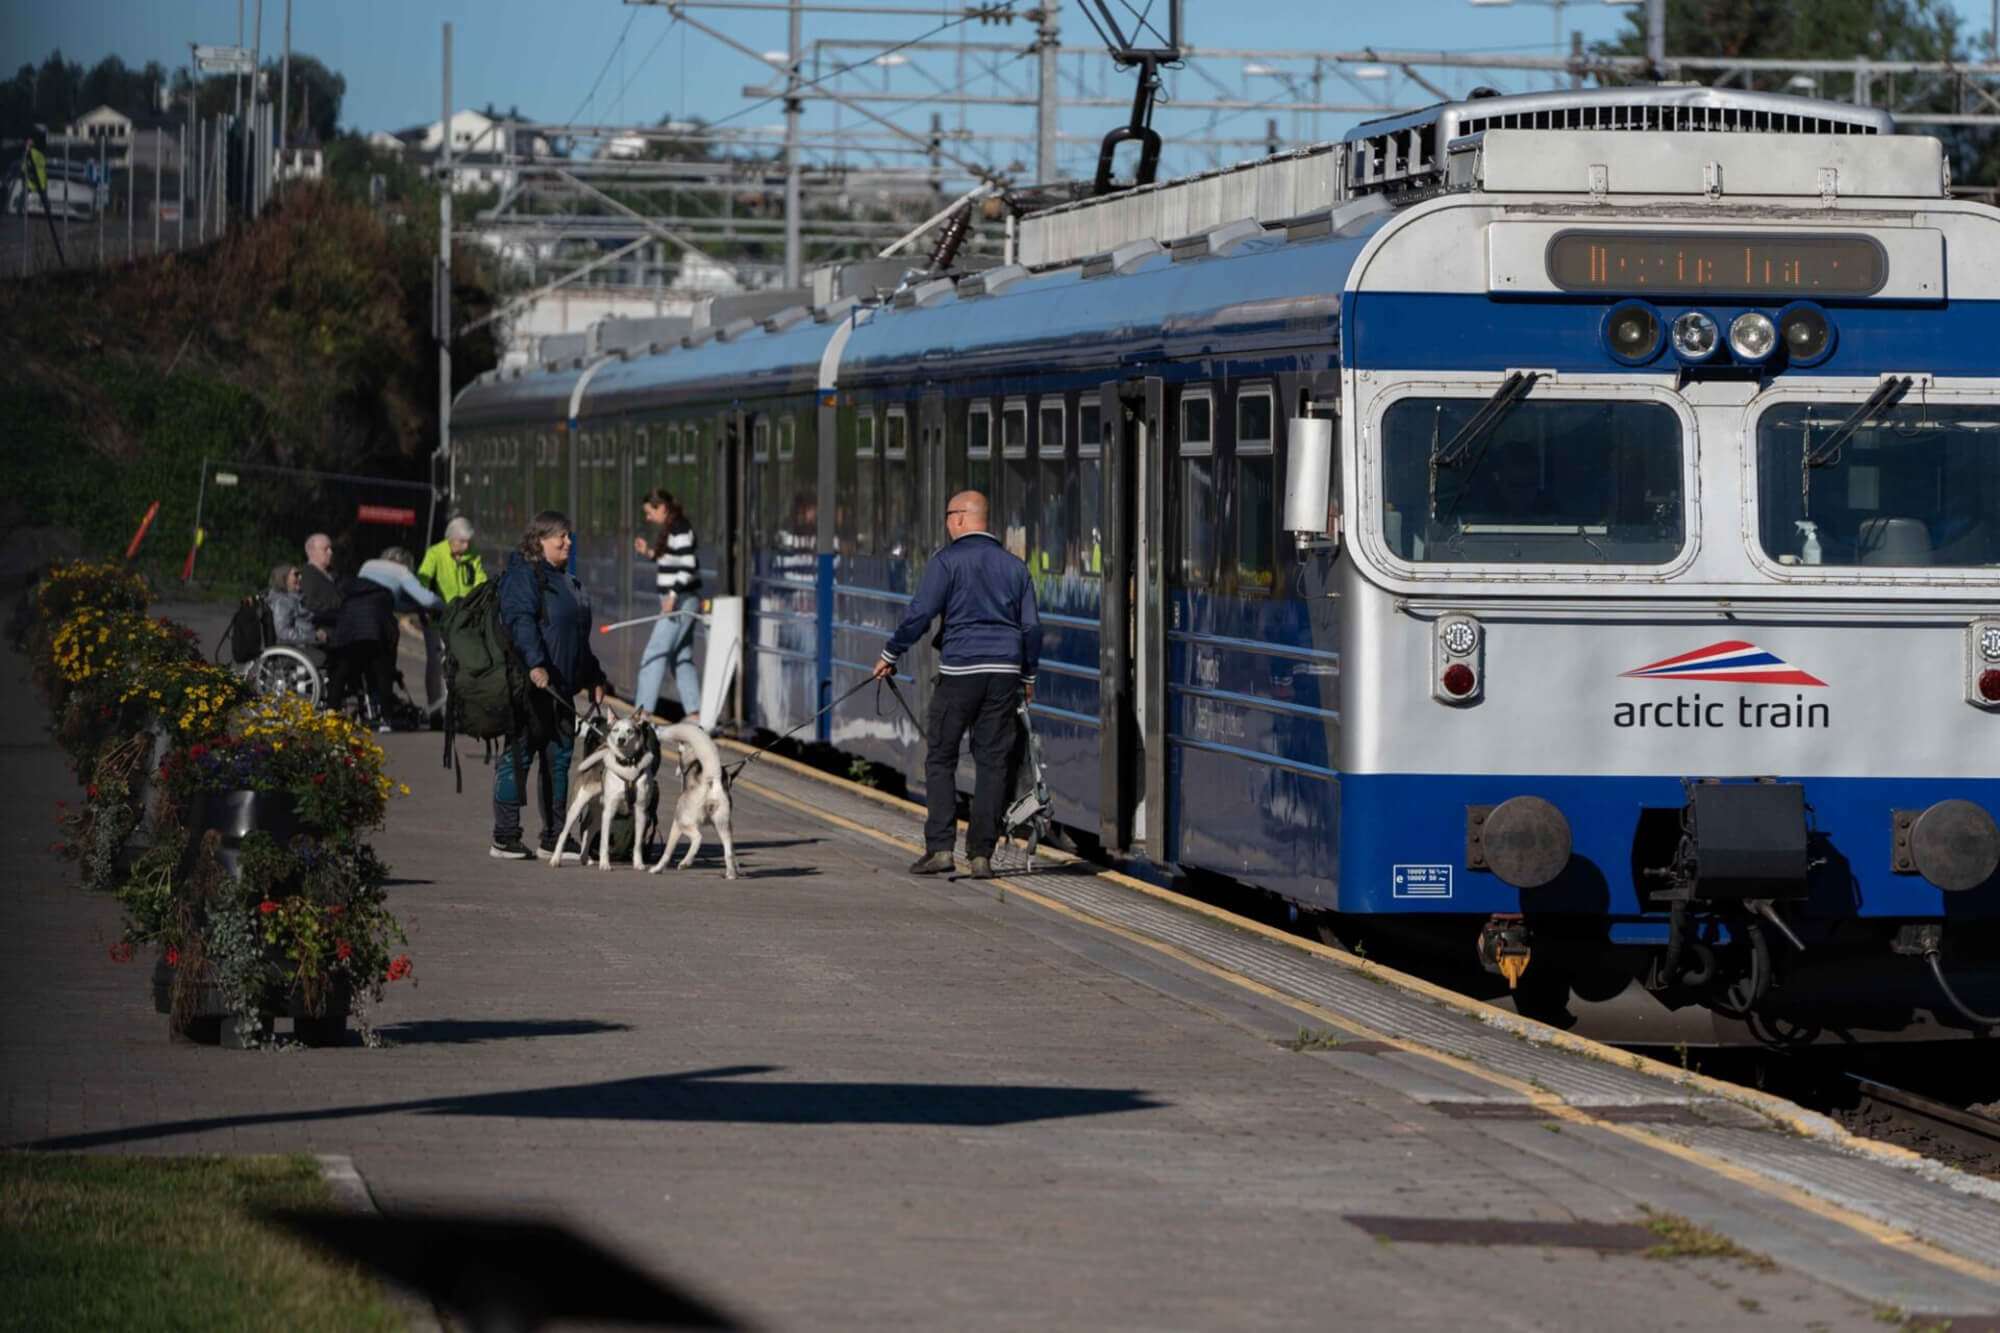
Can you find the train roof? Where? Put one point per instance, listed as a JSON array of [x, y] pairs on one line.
[[745, 359], [1167, 303], [515, 395]]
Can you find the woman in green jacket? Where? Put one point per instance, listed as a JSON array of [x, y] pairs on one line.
[[450, 569]]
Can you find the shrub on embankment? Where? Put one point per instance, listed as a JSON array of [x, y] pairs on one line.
[[300, 341]]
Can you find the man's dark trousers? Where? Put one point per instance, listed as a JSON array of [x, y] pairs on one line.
[[982, 703]]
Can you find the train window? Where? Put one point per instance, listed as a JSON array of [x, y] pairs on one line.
[[1550, 481], [895, 483], [1052, 495], [1050, 441], [787, 437], [1014, 428], [641, 440], [979, 449], [760, 441], [1256, 491], [1198, 498], [866, 484], [1197, 422], [1088, 513], [1918, 485]]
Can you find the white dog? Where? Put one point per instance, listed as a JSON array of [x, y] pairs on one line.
[[704, 797], [618, 775]]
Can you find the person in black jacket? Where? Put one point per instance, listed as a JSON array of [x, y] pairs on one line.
[[547, 614], [317, 584], [989, 646]]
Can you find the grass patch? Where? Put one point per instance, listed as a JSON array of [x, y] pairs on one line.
[[1682, 1239], [1312, 1039], [170, 1243]]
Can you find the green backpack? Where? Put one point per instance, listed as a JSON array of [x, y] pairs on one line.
[[482, 671]]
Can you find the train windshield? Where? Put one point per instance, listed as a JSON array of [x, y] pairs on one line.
[[1541, 481], [1916, 485]]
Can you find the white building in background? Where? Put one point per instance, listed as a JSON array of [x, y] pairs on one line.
[[484, 149]]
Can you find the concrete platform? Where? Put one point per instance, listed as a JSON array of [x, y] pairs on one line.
[[834, 1095]]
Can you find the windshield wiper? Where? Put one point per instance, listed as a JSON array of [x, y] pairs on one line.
[[1511, 391], [1887, 394]]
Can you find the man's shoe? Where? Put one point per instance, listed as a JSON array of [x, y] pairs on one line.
[[571, 852], [982, 867], [511, 849], [933, 863]]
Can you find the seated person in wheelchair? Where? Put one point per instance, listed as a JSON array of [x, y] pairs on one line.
[[362, 646], [291, 620]]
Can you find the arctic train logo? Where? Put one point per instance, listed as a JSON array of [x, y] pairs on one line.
[[1733, 661]]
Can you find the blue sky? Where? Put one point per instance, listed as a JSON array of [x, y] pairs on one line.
[[546, 55]]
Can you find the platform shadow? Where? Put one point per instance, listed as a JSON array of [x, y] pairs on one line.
[[469, 1031], [700, 1096]]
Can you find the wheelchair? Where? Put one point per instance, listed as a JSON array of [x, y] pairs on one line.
[[250, 647]]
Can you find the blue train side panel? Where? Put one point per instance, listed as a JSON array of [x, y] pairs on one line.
[[1405, 849]]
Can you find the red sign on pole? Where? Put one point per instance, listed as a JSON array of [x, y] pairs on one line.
[[389, 514]]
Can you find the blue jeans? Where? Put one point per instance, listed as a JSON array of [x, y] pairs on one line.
[[552, 790], [670, 645]]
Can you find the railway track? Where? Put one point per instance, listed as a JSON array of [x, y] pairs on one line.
[[1939, 1130]]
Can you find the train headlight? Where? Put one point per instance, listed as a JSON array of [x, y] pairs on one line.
[[1806, 333], [1458, 644], [1752, 336], [1632, 332], [1695, 336], [1982, 663]]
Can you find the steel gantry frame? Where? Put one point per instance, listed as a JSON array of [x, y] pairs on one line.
[[915, 116]]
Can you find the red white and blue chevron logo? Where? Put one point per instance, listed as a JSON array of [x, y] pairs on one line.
[[1730, 660]]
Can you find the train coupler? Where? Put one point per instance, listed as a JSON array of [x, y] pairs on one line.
[[1503, 948]]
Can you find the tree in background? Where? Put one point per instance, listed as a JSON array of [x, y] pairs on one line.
[[317, 93], [1834, 30]]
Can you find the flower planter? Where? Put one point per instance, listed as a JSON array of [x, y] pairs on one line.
[[212, 1024], [234, 814]]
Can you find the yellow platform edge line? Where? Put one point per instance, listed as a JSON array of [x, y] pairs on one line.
[[1861, 1224], [1788, 1114]]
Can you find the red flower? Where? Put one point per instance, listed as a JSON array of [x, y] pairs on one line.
[[399, 967], [341, 948], [318, 778], [267, 907], [121, 952], [91, 791], [62, 805], [173, 957], [335, 910], [197, 750], [56, 847]]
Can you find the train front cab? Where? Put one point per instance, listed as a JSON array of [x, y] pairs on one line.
[[1671, 654]]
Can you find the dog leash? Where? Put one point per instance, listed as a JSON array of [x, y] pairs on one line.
[[758, 752]]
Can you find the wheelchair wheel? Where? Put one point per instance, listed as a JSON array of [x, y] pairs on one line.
[[286, 671]]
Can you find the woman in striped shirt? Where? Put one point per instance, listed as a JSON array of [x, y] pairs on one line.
[[678, 579]]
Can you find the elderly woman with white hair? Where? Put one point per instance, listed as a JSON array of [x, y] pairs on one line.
[[450, 569]]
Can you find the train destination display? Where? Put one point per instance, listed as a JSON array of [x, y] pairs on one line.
[[1715, 264]]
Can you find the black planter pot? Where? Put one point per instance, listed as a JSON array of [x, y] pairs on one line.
[[235, 814], [212, 1024]]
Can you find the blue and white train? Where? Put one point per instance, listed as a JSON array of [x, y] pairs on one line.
[[1555, 532]]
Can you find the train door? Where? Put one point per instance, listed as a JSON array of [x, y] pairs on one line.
[[1132, 774]]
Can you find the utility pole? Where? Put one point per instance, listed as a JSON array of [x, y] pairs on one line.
[[254, 130], [793, 108], [1049, 92], [441, 303], [285, 95], [1656, 37]]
